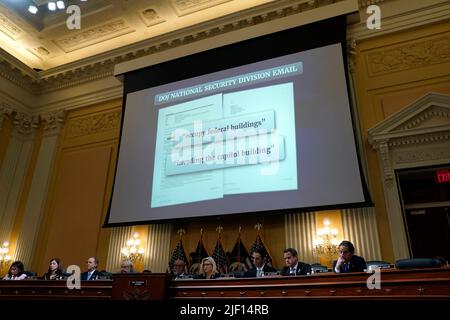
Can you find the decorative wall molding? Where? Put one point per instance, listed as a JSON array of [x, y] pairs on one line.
[[417, 135], [433, 113], [10, 72], [418, 139], [366, 3], [414, 156], [399, 21], [410, 56], [94, 124]]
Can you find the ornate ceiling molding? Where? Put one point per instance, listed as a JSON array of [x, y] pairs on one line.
[[10, 72], [101, 67], [94, 35], [9, 28]]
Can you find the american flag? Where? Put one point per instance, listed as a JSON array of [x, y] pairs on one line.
[[197, 257], [239, 257], [259, 244], [178, 254], [220, 257]]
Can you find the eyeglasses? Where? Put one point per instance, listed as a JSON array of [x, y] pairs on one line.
[[344, 252]]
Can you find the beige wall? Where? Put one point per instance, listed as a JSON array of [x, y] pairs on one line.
[[81, 185]]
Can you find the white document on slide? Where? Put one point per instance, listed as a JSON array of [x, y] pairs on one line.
[[190, 187], [190, 178], [272, 176]]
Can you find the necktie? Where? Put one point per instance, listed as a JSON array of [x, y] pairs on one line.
[[260, 273], [89, 276], [293, 271], [345, 267]]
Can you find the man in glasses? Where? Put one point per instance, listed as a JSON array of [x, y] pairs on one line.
[[179, 269], [348, 261]]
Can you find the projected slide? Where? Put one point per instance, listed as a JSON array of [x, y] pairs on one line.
[[226, 143], [274, 135]]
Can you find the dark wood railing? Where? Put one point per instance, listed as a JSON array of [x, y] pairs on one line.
[[394, 284]]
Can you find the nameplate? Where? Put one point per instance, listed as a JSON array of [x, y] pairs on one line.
[[138, 283]]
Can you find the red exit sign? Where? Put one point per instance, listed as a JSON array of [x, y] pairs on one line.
[[442, 176]]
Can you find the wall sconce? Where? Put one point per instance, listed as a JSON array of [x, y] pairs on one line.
[[133, 251], [326, 243], [5, 258]]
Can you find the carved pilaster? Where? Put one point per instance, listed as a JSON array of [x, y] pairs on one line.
[[5, 112], [53, 122], [24, 124], [383, 149], [351, 54]]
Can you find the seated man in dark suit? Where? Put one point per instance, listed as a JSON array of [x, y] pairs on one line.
[[293, 266], [348, 261], [260, 268], [179, 269], [91, 273]]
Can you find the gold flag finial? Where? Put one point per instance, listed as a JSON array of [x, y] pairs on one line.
[[219, 231], [181, 231], [258, 226]]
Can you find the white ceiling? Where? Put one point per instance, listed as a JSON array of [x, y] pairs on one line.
[[43, 41]]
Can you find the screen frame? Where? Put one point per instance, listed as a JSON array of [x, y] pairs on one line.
[[222, 58]]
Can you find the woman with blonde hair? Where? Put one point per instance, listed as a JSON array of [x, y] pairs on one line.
[[208, 269]]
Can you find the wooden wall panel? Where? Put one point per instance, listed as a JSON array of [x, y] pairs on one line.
[[77, 211], [81, 186]]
